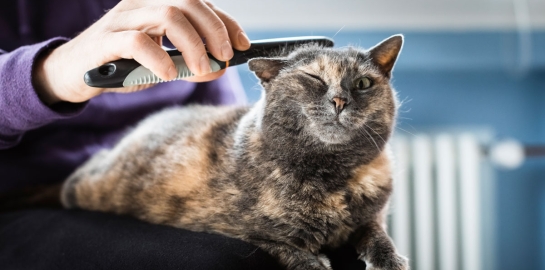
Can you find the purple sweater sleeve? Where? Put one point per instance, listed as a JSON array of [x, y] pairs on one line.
[[20, 107]]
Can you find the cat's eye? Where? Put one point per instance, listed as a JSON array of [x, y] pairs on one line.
[[363, 83], [316, 77]]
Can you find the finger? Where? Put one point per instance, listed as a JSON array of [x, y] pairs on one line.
[[238, 37], [169, 21], [142, 48], [211, 28], [158, 40], [206, 78], [130, 89]]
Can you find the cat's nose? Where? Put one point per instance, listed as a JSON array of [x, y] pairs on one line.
[[339, 104]]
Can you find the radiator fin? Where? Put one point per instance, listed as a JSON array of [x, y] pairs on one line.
[[436, 205]]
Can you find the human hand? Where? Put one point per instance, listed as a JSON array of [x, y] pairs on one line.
[[134, 29]]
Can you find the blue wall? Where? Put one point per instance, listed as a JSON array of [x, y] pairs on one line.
[[473, 79]]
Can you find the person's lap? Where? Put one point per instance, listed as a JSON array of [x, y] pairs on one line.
[[68, 239], [74, 239]]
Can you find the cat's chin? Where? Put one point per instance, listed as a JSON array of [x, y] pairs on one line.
[[332, 134], [334, 139]]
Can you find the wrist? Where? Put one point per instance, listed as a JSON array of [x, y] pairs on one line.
[[53, 78], [41, 80]]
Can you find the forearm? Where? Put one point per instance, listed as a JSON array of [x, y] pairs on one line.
[[35, 91], [21, 108]]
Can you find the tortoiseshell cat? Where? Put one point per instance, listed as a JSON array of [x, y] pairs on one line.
[[306, 168]]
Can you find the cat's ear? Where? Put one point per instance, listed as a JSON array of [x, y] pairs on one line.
[[266, 69], [384, 55]]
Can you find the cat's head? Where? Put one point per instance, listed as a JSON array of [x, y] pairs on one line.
[[334, 95]]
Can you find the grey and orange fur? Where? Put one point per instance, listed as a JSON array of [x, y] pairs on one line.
[[306, 168]]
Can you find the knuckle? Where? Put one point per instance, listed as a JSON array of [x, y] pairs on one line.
[[137, 40], [170, 12], [218, 27], [196, 43], [192, 2], [164, 59], [230, 20], [173, 15], [209, 4]]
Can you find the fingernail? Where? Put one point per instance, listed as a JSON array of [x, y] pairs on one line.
[[205, 65], [172, 73], [226, 50], [243, 40]]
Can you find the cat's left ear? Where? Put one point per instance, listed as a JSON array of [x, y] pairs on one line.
[[266, 69], [384, 55]]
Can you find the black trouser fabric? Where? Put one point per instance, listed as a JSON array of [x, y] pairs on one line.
[[74, 239]]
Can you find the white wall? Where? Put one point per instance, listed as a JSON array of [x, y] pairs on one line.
[[332, 15]]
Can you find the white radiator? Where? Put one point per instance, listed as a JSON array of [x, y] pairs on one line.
[[436, 211]]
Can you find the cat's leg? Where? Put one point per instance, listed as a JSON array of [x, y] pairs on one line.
[[296, 259], [377, 249], [84, 188]]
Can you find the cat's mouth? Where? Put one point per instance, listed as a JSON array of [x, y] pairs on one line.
[[340, 121], [335, 127], [333, 133], [330, 131], [336, 123]]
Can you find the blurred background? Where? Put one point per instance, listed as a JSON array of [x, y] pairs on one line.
[[471, 172]]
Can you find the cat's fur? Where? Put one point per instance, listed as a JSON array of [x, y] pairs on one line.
[[294, 174]]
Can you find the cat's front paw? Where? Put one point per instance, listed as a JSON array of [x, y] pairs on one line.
[[395, 262], [321, 263]]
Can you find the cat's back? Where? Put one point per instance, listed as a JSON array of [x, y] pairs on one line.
[[168, 127], [181, 120]]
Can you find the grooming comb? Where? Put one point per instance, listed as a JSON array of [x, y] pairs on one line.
[[128, 72]]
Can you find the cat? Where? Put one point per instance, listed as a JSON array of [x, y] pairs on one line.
[[304, 169]]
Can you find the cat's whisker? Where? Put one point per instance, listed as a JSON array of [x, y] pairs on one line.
[[378, 121], [355, 57], [408, 110], [375, 132], [405, 131], [365, 136], [411, 126], [405, 100], [339, 31], [372, 139], [251, 253], [401, 104], [399, 122]]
